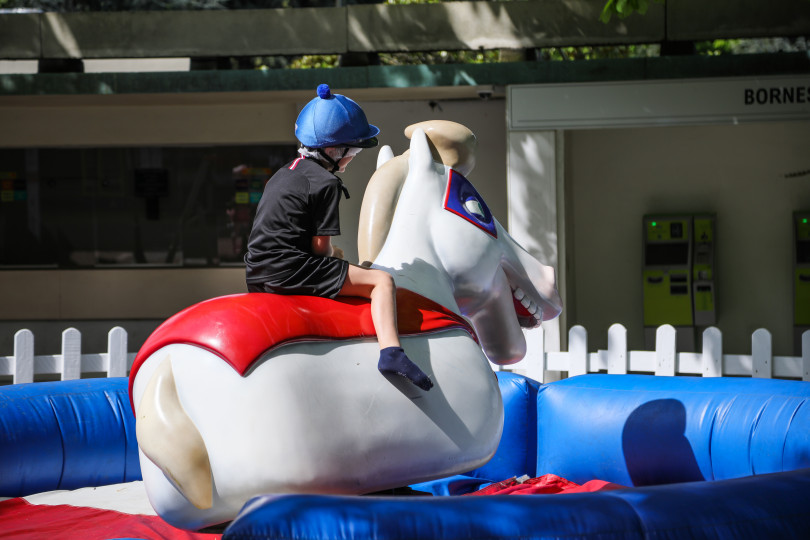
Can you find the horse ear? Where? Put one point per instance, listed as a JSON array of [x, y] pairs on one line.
[[420, 155], [384, 156]]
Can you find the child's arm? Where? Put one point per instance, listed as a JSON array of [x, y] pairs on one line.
[[322, 245]]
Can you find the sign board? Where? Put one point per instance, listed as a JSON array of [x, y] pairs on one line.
[[658, 103]]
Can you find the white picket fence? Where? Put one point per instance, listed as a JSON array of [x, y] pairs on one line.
[[665, 359], [23, 365]]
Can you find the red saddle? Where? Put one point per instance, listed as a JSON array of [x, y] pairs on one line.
[[241, 328]]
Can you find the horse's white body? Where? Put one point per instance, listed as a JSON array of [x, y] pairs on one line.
[[318, 417]]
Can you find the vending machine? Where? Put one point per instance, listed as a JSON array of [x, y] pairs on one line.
[[678, 275], [703, 294], [801, 277]]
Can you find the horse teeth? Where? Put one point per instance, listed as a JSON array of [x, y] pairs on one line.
[[526, 301], [518, 293], [532, 308]]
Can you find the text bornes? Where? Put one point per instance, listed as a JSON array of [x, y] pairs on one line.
[[784, 95]]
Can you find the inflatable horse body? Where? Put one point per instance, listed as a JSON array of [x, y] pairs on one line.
[[316, 416]]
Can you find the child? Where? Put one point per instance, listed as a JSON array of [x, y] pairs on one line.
[[290, 249]]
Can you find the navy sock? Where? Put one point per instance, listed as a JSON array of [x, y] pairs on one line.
[[394, 360]]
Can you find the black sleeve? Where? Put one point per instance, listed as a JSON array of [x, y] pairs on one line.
[[326, 221]]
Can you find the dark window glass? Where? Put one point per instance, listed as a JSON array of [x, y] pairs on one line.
[[803, 252], [667, 254], [91, 207]]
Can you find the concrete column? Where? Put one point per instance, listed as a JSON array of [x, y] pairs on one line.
[[534, 193]]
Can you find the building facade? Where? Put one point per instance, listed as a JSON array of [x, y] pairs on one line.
[[126, 195]]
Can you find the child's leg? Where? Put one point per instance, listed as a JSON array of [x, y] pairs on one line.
[[378, 286]]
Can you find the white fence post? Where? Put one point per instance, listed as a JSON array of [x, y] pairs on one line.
[[617, 349], [761, 354], [117, 352], [577, 351], [23, 366], [712, 357], [71, 354], [535, 354], [665, 350], [23, 357]]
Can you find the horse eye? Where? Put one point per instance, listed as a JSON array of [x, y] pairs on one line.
[[473, 206]]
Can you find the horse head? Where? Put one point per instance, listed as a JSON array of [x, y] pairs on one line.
[[444, 242]]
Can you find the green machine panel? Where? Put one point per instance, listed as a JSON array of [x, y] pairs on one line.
[[667, 271], [801, 269], [703, 269]]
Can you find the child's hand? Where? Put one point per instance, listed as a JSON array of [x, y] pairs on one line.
[[337, 252]]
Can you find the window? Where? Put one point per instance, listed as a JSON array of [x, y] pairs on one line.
[[103, 207]]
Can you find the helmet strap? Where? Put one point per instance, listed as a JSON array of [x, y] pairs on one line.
[[335, 164]]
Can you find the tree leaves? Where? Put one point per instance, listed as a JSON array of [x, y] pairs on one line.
[[624, 8]]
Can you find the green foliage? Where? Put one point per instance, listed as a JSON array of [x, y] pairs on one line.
[[624, 8], [440, 57], [481, 56], [314, 61], [717, 47], [599, 52], [399, 2], [769, 45]]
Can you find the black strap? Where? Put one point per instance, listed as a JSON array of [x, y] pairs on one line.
[[335, 166]]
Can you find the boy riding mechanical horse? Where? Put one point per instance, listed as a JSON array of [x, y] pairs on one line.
[[290, 250]]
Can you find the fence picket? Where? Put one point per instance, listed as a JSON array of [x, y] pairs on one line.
[[806, 355], [762, 361], [712, 352], [665, 350], [617, 349], [577, 351], [117, 352], [23, 363], [71, 354], [535, 354]]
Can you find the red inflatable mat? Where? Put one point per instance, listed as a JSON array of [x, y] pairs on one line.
[[22, 520], [544, 485]]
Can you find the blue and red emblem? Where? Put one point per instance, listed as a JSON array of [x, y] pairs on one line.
[[462, 199]]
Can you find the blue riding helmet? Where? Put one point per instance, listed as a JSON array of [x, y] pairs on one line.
[[334, 120]]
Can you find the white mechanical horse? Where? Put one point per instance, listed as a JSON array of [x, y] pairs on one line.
[[224, 415]]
